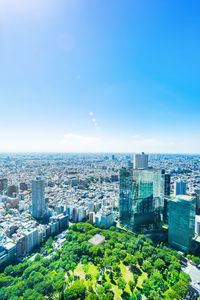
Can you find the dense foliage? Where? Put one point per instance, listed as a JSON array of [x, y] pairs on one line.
[[124, 267]]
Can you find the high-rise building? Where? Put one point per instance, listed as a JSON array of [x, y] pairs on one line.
[[148, 205], [141, 161], [39, 207], [167, 184], [181, 222], [197, 225], [31, 239], [141, 200], [180, 188], [197, 192], [91, 217], [3, 184], [126, 196]]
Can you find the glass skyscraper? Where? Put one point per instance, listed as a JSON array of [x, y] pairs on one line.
[[39, 206], [141, 197], [126, 196], [181, 222]]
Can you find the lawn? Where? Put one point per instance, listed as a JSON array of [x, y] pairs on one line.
[[81, 271], [90, 269]]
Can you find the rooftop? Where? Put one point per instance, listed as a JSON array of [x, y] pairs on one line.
[[97, 239], [184, 197]]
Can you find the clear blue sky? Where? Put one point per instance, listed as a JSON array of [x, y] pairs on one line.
[[100, 75]]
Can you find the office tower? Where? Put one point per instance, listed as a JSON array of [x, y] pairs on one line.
[[197, 225], [126, 197], [130, 163], [181, 222], [107, 219], [180, 188], [141, 201], [141, 161], [31, 239], [148, 197], [90, 206], [3, 184], [197, 192], [91, 217], [167, 184], [38, 198]]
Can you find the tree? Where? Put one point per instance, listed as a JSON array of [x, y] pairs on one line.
[[100, 290], [5, 280], [154, 296], [181, 288], [75, 291], [44, 287], [32, 295], [147, 267], [91, 296], [59, 285], [37, 257], [109, 296], [159, 264], [146, 286], [9, 270], [174, 266], [107, 286], [136, 295], [121, 283], [132, 285], [196, 260], [171, 294]]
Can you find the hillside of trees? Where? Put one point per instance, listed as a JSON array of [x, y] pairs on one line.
[[124, 267]]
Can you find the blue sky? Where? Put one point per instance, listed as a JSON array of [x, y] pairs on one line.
[[99, 75]]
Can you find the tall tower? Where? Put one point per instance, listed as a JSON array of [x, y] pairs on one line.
[[141, 161], [38, 198], [141, 197], [181, 222], [180, 188], [126, 197]]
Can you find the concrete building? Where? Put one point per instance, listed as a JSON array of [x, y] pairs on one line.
[[197, 225], [39, 207], [107, 219], [81, 213], [97, 219], [92, 217], [141, 161], [180, 188], [181, 222], [21, 246], [31, 238], [3, 184], [97, 239], [63, 222], [7, 254]]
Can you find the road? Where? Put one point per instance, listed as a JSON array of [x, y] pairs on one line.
[[194, 273]]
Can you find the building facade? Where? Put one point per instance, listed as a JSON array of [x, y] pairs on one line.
[[181, 222], [39, 207], [141, 199], [180, 188], [141, 161]]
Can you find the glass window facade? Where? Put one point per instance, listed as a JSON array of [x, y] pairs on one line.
[[181, 222], [141, 196]]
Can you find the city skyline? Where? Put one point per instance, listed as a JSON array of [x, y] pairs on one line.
[[93, 76]]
